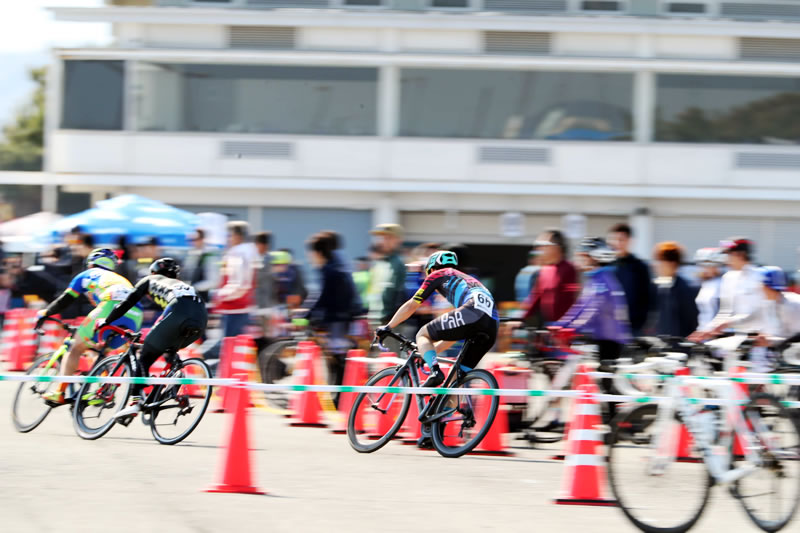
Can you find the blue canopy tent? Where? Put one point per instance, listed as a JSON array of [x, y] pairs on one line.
[[135, 217]]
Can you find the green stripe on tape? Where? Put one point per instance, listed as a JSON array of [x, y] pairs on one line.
[[536, 393], [777, 379]]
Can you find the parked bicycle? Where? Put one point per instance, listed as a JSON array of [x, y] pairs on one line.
[[458, 422], [662, 492], [171, 411]]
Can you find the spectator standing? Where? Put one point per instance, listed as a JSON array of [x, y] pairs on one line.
[[265, 289], [80, 246], [675, 300], [388, 274], [527, 276], [634, 276], [334, 307], [289, 277], [234, 299], [710, 261], [556, 288], [741, 294], [201, 267], [361, 277]]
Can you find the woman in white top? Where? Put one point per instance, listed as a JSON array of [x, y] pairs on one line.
[[711, 262]]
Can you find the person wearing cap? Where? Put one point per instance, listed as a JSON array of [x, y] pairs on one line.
[[710, 261], [740, 293], [780, 310], [388, 274], [556, 288], [288, 278], [527, 275]]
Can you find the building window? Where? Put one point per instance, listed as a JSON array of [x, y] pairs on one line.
[[92, 95], [727, 109], [500, 104], [257, 99]]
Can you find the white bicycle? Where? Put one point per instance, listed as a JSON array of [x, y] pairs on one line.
[[664, 457]]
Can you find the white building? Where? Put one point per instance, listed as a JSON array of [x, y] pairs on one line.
[[680, 115]]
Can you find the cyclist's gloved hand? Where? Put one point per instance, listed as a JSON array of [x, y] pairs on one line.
[[40, 316], [382, 332]]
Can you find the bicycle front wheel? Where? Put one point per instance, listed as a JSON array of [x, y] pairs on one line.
[[770, 495], [460, 421], [377, 416], [181, 407], [97, 403], [29, 410], [657, 493]]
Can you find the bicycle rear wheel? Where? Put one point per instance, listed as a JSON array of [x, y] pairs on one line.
[[273, 365], [770, 495], [460, 420], [377, 416], [97, 403], [29, 410], [183, 405], [657, 494]]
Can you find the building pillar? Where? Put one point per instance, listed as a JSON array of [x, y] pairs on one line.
[[644, 93], [385, 212], [641, 222], [50, 198], [388, 100]]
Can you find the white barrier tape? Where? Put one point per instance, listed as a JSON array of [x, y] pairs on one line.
[[276, 387], [750, 378], [587, 409], [585, 460]]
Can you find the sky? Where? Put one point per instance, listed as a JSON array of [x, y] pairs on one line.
[[27, 33]]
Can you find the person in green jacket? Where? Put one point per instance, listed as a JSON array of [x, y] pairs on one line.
[[388, 275]]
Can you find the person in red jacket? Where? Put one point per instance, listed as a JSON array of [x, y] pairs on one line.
[[557, 286]]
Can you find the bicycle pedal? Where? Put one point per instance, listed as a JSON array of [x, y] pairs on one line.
[[126, 421]]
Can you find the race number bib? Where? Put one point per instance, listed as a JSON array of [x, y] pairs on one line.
[[483, 303], [184, 290]]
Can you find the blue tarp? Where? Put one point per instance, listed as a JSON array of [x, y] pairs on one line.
[[135, 217]]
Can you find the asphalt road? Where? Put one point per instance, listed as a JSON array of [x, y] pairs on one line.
[[51, 480]]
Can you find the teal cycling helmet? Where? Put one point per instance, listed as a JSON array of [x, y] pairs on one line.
[[440, 259], [102, 258]]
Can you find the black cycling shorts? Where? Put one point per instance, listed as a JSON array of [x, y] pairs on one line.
[[181, 323], [465, 323]]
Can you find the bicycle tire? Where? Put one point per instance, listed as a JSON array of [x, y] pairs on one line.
[[169, 389], [83, 430], [272, 370], [439, 429], [762, 404], [537, 408], [38, 389], [626, 435], [367, 444]]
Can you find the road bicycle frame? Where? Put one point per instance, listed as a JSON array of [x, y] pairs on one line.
[[698, 422]]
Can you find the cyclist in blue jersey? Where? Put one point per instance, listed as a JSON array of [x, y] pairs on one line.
[[474, 317], [104, 288]]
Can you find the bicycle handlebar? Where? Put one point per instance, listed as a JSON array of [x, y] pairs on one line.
[[66, 327], [405, 344]]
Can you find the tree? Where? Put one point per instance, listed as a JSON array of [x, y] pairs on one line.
[[23, 142]]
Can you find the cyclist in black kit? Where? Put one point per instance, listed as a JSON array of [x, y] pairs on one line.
[[181, 323], [474, 317]]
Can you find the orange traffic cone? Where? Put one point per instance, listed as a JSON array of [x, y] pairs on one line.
[[585, 476], [581, 378], [236, 460], [302, 357], [355, 374], [493, 443], [224, 371], [24, 348], [309, 406]]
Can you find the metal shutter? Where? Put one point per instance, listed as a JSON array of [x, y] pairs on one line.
[[261, 37], [760, 10], [516, 42], [256, 150], [533, 6], [769, 49]]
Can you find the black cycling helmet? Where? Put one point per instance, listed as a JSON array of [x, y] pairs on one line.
[[166, 266]]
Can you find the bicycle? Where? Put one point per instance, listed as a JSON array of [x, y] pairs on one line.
[[662, 493], [29, 410], [163, 406], [457, 422]]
